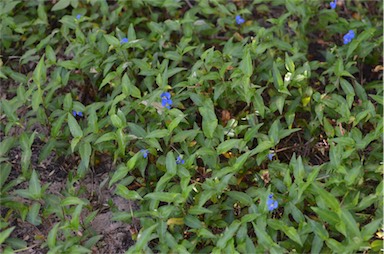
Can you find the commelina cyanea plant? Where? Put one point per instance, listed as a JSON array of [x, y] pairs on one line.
[[191, 126]]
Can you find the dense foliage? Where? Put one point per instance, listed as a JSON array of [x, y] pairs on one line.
[[232, 126]]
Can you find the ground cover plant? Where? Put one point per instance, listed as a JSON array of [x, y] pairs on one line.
[[191, 126]]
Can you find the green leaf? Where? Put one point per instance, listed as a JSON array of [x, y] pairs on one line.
[[112, 40], [132, 161], [34, 186], [209, 119], [123, 191], [265, 145], [175, 122], [171, 164], [116, 121], [106, 137], [196, 210], [228, 145], [74, 127], [246, 63], [258, 101], [5, 234], [143, 238], [62, 4], [352, 226], [129, 89], [37, 99], [85, 150], [73, 201], [241, 197], [164, 196], [6, 144], [298, 168], [318, 229], [4, 173], [192, 222], [278, 80], [131, 33], [52, 236], [56, 126], [119, 174], [51, 56], [74, 143], [158, 134], [369, 230], [228, 234], [183, 135], [327, 216], [289, 64], [327, 197], [110, 76], [33, 214], [291, 232], [251, 133], [40, 73]]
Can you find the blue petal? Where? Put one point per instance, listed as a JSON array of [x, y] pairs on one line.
[[124, 40], [166, 95]]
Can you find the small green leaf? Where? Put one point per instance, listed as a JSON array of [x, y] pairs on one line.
[[289, 64], [73, 201], [192, 221], [5, 234], [40, 73], [123, 191], [209, 119], [158, 134], [85, 150], [112, 40], [34, 186], [164, 196], [171, 164], [116, 121], [327, 197], [74, 127], [106, 137], [228, 234], [33, 214], [110, 76], [52, 236], [265, 145], [241, 197], [250, 134], [62, 4], [291, 232], [246, 63], [119, 174], [143, 238], [228, 145]]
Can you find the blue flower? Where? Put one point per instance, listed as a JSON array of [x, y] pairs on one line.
[[179, 160], [239, 20], [144, 152], [270, 156], [78, 16], [333, 4], [75, 113], [124, 40], [348, 37], [166, 100], [271, 203]]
